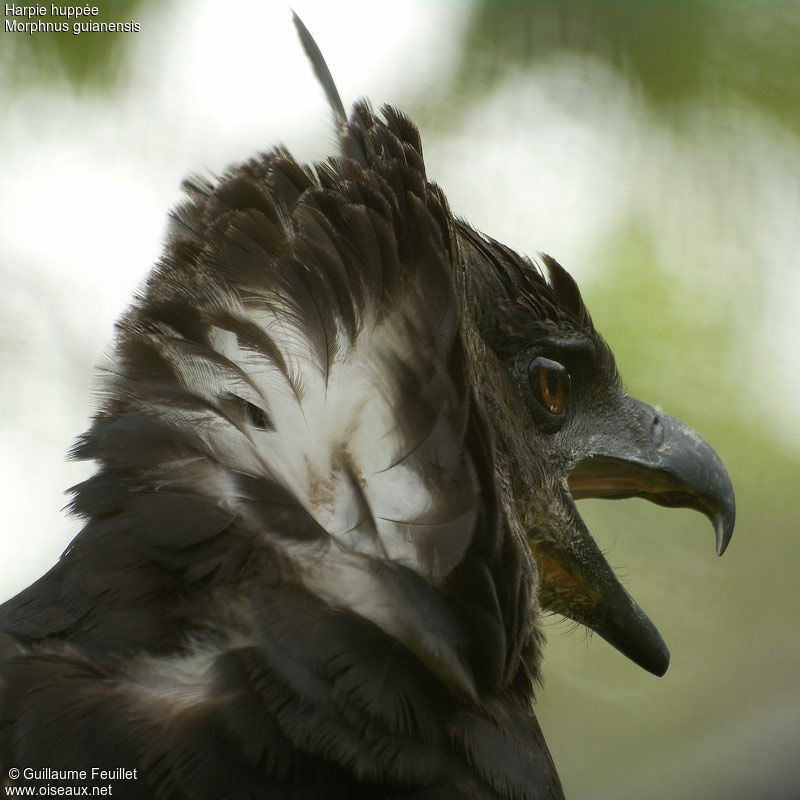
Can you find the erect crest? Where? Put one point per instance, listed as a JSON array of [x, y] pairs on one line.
[[295, 359], [510, 296]]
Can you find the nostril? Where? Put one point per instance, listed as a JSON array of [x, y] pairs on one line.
[[657, 430]]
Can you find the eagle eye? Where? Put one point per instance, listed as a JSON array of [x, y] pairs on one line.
[[549, 384]]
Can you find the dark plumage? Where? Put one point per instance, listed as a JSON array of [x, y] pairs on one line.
[[331, 498]]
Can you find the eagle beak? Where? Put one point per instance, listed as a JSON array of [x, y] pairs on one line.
[[636, 452], [663, 460]]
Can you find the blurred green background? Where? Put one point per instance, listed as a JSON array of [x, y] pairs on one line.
[[651, 147]]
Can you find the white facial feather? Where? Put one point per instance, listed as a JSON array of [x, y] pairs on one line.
[[336, 441]]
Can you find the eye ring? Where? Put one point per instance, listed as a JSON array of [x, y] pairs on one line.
[[549, 383]]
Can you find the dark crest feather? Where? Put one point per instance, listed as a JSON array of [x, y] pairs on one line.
[[186, 631]]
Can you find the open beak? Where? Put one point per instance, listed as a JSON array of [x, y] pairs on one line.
[[638, 452]]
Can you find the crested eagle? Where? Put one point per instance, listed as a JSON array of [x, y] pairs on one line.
[[338, 452]]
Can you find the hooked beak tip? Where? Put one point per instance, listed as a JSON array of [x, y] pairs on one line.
[[723, 530]]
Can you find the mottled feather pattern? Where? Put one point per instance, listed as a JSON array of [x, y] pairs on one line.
[[338, 447], [288, 456], [308, 326]]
